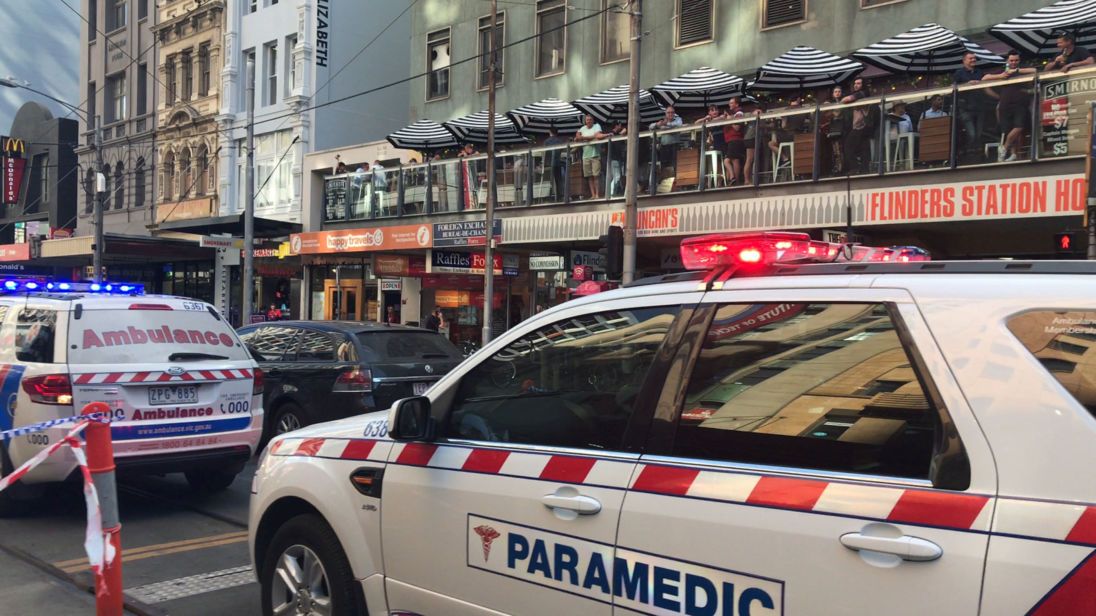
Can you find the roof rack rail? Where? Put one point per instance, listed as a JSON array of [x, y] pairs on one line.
[[937, 267]]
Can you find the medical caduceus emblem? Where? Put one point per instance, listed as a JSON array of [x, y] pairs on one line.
[[486, 535]]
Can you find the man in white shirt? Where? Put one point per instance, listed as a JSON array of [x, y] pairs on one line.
[[591, 154]]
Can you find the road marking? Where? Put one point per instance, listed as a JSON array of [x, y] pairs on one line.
[[160, 549], [180, 588]]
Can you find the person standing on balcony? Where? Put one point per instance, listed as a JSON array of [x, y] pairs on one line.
[[858, 141], [972, 104], [1014, 108], [591, 154], [1071, 57], [556, 162], [714, 137], [733, 136], [667, 144], [832, 127]]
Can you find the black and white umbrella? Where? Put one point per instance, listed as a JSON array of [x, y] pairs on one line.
[[611, 106], [472, 128], [805, 68], [699, 88], [424, 136], [538, 118], [930, 48], [1037, 32]]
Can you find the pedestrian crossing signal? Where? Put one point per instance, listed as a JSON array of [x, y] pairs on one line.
[[1067, 243]]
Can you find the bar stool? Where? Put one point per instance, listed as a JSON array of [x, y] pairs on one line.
[[903, 151], [714, 168], [780, 164]]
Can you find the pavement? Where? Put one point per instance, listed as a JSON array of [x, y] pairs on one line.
[[29, 589]]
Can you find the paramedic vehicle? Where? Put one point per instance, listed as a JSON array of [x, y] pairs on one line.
[[793, 428], [184, 392]]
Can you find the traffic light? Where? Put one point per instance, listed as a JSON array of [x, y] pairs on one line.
[[613, 250], [1068, 244]]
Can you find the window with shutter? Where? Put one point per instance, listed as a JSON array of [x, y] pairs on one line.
[[781, 12], [694, 21]]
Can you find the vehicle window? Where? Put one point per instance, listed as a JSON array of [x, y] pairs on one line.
[[820, 386], [315, 346], [403, 346], [1065, 343], [34, 335], [570, 384], [271, 344]]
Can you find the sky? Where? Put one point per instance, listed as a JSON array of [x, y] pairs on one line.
[[41, 44]]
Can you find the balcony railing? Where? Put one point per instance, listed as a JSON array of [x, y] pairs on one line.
[[923, 131]]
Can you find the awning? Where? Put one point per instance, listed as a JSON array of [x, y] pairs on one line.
[[472, 128], [1037, 32], [123, 248], [611, 106], [424, 135], [232, 224], [540, 117], [699, 88], [930, 48], [805, 68]]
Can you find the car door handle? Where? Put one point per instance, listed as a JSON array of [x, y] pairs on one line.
[[904, 547], [583, 505]]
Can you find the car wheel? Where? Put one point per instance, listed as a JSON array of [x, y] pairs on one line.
[[210, 480], [290, 417], [305, 571]]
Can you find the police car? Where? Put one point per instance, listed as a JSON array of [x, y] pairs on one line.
[[793, 428], [185, 394]]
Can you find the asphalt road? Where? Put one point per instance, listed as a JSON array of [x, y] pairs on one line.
[[184, 553]]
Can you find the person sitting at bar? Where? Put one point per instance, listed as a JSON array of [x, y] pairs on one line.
[[667, 144], [1071, 57], [936, 109], [899, 121], [1014, 108]]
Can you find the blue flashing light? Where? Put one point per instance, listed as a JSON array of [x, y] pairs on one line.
[[17, 285]]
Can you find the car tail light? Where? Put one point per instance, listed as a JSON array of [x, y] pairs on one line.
[[150, 307], [257, 382], [49, 389], [354, 380], [753, 250]]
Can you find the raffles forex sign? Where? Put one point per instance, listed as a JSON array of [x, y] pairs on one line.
[[14, 161]]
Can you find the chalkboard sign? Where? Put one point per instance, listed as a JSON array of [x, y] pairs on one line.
[[334, 198]]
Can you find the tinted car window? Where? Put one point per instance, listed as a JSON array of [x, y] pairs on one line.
[[1065, 343], [821, 386], [571, 384], [406, 346], [34, 329], [272, 344], [316, 346]]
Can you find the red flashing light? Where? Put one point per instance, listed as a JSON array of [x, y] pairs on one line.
[[753, 250]]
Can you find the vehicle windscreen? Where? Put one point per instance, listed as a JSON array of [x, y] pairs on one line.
[[150, 336], [406, 346]]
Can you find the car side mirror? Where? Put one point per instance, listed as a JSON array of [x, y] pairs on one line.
[[410, 420]]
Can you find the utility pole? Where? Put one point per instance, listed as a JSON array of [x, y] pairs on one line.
[[100, 195], [489, 244], [631, 214], [246, 283]]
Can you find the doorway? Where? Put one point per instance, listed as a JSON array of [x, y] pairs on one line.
[[342, 300]]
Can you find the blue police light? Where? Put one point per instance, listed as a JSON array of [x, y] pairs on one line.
[[22, 285]]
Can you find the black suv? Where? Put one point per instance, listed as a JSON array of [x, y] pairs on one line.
[[322, 370]]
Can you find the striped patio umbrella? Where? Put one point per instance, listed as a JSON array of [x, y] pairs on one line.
[[805, 68], [930, 48], [1037, 32], [611, 106], [537, 118], [472, 128], [699, 88], [424, 136]]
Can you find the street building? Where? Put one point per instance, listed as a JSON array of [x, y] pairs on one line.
[[907, 155]]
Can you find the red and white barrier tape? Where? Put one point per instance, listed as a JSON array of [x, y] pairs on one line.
[[96, 543]]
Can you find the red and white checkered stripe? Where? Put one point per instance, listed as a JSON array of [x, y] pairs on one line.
[[1072, 523], [109, 378]]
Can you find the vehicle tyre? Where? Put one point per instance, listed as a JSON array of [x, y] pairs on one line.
[[210, 480], [289, 417], [305, 571]]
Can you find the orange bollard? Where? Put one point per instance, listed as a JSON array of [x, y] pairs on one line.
[[100, 454]]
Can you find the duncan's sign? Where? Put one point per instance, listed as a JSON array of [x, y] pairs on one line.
[[13, 154]]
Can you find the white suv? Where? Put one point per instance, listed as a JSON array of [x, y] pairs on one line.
[[185, 394], [759, 438]]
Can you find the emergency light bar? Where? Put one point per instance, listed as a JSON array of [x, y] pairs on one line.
[[754, 251], [18, 285]]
